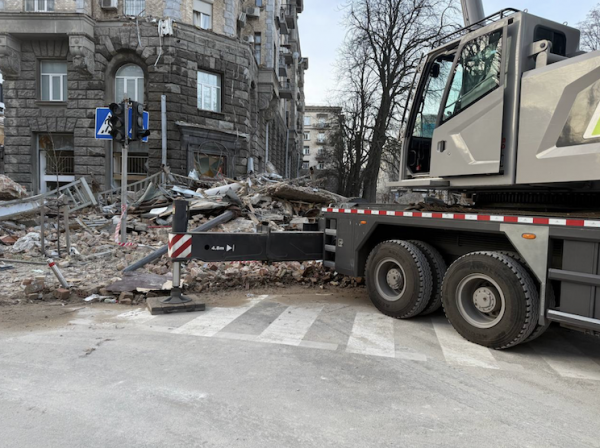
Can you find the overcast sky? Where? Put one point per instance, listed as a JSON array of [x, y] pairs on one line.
[[322, 33]]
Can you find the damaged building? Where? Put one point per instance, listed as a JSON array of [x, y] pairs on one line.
[[232, 72]]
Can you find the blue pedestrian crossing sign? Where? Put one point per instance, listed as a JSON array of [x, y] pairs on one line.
[[103, 126]]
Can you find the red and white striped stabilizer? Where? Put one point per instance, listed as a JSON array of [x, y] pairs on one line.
[[472, 217], [180, 246]]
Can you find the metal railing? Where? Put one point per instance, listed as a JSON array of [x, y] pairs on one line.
[[115, 194], [136, 165], [60, 165]]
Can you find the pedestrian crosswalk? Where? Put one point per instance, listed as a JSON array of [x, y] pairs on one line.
[[362, 330]]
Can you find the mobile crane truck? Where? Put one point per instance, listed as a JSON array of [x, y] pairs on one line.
[[507, 112]]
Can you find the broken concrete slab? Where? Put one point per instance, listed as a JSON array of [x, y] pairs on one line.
[[141, 280]]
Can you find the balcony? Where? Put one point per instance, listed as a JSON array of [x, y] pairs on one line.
[[282, 71], [289, 14], [286, 90], [286, 55]]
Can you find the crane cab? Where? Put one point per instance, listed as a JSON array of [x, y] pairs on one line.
[[478, 99]]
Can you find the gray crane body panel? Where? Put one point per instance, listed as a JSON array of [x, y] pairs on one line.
[[512, 103]]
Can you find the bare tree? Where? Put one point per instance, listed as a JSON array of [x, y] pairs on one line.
[[590, 30], [389, 37]]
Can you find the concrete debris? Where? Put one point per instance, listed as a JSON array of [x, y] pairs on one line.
[[10, 190], [93, 268]]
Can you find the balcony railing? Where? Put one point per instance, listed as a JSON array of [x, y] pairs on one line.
[[289, 14]]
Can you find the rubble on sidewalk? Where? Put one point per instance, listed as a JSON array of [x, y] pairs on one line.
[[93, 267]]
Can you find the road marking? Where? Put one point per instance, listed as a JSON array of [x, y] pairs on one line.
[[567, 360], [291, 326], [254, 338], [459, 351], [372, 334], [138, 315], [214, 320]]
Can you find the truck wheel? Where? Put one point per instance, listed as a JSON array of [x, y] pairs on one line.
[[551, 297], [541, 329], [490, 299], [438, 270], [398, 279]]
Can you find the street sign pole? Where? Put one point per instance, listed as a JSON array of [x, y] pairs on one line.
[[124, 156]]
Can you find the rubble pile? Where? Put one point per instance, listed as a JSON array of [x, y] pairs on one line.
[[94, 261]]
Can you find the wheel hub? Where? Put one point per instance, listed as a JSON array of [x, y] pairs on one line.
[[395, 279], [484, 300]]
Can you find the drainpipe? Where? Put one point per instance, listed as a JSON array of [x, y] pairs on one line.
[[163, 118], [267, 145]]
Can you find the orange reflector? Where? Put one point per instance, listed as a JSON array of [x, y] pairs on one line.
[[363, 223], [529, 236]]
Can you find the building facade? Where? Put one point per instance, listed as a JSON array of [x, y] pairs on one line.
[[232, 72], [319, 123]]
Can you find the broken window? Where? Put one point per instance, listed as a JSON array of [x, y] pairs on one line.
[[210, 165], [56, 161]]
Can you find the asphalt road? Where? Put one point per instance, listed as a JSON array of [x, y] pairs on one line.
[[295, 370]]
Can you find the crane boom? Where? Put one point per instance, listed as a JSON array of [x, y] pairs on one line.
[[472, 11]]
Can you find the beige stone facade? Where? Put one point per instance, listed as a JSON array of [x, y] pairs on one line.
[[319, 123]]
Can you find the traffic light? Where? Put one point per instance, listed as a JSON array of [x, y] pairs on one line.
[[117, 121], [137, 122]]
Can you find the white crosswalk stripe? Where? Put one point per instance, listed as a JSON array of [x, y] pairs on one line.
[[372, 334], [213, 320], [367, 332], [291, 326], [459, 351]]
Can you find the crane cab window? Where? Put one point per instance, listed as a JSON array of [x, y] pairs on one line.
[[476, 75], [427, 111]]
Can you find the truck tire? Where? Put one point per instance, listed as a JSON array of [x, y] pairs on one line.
[[490, 299], [438, 271], [398, 279], [550, 296], [541, 329]]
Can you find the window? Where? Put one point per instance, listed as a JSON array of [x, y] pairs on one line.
[[321, 152], [306, 121], [321, 138], [307, 136], [259, 3], [258, 47], [477, 73], [39, 5], [56, 161], [322, 120], [306, 151], [129, 83], [320, 166], [137, 167], [209, 91], [203, 11], [429, 108], [210, 165], [305, 165], [134, 7], [53, 77]]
